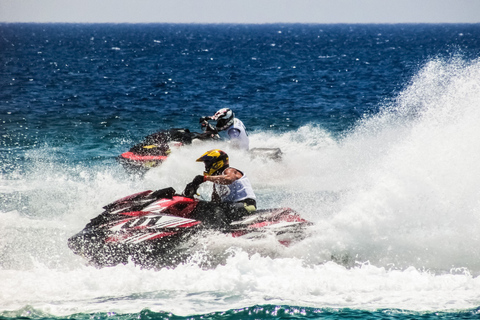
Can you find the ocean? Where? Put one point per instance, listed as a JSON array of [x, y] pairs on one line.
[[379, 129]]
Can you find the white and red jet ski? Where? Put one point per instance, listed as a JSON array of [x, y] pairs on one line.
[[151, 228]]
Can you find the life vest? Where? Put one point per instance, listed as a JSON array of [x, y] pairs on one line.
[[237, 133]]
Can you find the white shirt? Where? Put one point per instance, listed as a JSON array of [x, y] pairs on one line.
[[237, 133]]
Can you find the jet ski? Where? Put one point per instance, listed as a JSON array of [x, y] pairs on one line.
[[155, 148], [156, 229]]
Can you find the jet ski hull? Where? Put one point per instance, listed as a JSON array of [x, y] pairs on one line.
[[156, 148], [154, 229]]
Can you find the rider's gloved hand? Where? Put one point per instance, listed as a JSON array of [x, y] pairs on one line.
[[205, 119], [198, 180], [191, 188]]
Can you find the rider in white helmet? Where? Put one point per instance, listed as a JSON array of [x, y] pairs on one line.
[[231, 126]]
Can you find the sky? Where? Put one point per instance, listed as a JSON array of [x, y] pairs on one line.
[[241, 11]]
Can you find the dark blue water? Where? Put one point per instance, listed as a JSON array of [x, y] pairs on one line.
[[258, 312], [75, 96], [91, 86]]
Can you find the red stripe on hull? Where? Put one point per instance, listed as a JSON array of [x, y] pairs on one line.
[[135, 157]]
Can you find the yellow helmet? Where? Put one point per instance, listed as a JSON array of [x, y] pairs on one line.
[[215, 160]]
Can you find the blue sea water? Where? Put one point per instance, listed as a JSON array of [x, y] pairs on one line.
[[378, 125]]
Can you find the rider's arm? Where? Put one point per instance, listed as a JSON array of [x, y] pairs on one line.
[[228, 177]]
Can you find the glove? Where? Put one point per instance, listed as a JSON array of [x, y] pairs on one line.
[[204, 119], [191, 188], [198, 180]]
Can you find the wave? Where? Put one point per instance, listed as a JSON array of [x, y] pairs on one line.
[[266, 311], [412, 195], [394, 202]]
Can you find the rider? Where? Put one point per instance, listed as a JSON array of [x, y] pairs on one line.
[[233, 127], [231, 188]]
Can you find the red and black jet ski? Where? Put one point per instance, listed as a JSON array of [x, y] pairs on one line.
[[152, 228], [155, 148]]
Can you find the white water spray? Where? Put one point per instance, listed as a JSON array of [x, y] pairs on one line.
[[397, 195]]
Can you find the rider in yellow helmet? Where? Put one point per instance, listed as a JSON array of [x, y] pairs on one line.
[[230, 185]]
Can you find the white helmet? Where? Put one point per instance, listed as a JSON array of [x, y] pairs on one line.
[[224, 118]]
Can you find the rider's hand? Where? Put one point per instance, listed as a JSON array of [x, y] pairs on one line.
[[198, 180], [205, 119], [191, 188]]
